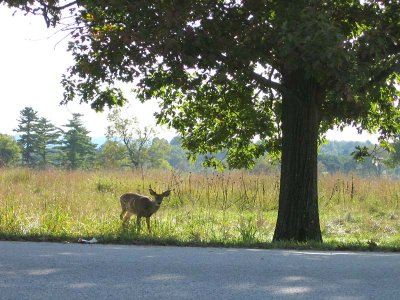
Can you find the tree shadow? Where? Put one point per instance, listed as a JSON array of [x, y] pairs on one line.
[[194, 273]]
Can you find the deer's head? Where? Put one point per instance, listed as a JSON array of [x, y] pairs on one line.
[[158, 198]]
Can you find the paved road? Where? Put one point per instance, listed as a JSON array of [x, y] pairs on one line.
[[78, 271]]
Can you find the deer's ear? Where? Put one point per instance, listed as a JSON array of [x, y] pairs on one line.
[[153, 193], [166, 193]]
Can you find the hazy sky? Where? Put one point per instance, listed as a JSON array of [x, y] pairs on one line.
[[32, 60]]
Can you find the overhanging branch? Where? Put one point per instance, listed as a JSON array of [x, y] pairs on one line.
[[59, 8], [382, 75], [49, 12], [266, 83]]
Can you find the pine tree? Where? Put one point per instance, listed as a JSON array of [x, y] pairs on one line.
[[77, 146], [47, 139], [27, 135]]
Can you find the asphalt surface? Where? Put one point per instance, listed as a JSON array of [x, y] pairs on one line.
[[79, 271]]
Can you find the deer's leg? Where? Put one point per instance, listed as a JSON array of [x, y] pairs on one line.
[[121, 216], [125, 218], [138, 224], [148, 224]]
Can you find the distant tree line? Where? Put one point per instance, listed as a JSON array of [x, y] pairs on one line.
[[40, 144]]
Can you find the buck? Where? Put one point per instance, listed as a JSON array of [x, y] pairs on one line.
[[141, 206]]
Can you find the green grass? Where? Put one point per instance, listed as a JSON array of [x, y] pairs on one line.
[[232, 209]]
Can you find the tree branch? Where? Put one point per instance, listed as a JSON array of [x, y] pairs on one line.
[[46, 11], [382, 75], [265, 82], [59, 7]]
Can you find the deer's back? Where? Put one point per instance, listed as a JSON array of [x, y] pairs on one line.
[[140, 205]]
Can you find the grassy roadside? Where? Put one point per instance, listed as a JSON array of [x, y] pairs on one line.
[[233, 209], [132, 239]]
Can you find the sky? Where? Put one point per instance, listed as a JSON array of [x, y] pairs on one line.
[[32, 61]]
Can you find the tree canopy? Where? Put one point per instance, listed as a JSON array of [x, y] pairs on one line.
[[231, 72], [219, 65]]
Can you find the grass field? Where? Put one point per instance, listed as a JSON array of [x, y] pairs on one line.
[[219, 209]]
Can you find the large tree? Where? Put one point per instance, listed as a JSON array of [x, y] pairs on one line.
[[229, 72]]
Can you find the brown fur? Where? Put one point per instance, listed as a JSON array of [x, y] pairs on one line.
[[141, 206]]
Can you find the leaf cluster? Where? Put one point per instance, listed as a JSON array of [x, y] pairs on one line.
[[221, 67]]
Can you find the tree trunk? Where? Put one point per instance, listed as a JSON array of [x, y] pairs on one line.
[[298, 216]]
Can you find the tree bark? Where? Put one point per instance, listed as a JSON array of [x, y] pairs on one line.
[[298, 216]]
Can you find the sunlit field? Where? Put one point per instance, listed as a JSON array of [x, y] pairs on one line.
[[219, 209]]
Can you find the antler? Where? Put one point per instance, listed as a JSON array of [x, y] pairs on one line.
[[150, 188]]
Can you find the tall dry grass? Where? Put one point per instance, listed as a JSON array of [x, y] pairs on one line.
[[230, 208]]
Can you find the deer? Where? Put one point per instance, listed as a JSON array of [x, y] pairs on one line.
[[141, 206]]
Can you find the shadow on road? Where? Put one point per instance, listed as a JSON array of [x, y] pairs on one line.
[[39, 270]]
